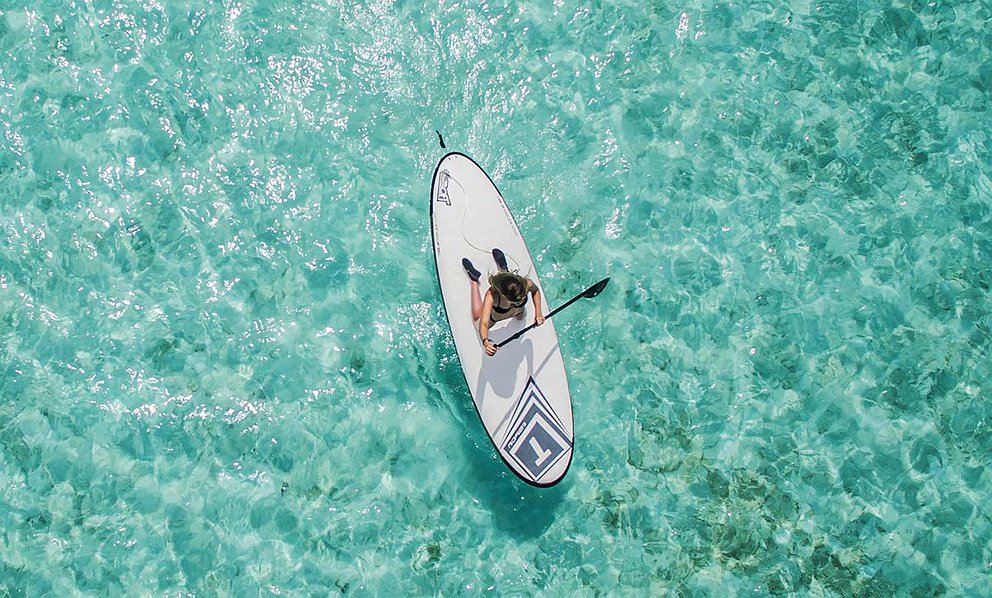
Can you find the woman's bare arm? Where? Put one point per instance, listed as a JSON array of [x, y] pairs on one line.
[[538, 310], [487, 310]]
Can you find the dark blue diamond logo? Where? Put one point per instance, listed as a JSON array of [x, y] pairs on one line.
[[536, 439]]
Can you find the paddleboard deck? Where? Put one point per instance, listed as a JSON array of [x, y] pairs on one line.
[[521, 393]]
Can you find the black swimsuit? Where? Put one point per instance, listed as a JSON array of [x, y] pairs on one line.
[[506, 310]]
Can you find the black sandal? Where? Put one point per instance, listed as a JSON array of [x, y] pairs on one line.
[[500, 259], [473, 274]]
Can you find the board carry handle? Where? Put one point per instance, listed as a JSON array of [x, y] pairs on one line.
[[589, 293]]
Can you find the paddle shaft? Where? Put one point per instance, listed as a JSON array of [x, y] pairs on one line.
[[549, 316]]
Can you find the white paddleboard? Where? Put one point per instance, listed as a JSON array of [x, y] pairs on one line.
[[521, 393]]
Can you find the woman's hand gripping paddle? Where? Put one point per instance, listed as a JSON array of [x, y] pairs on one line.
[[587, 294]]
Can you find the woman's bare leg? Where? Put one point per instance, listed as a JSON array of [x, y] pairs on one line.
[[476, 299]]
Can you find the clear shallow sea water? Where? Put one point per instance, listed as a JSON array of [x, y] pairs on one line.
[[224, 366]]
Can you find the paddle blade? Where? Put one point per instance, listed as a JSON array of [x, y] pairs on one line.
[[596, 289]]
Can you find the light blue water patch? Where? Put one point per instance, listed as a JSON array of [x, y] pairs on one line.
[[225, 369]]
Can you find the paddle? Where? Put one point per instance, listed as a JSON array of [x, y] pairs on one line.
[[588, 294]]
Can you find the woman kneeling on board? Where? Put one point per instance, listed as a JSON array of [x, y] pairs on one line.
[[506, 298]]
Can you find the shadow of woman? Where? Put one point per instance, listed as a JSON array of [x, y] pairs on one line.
[[499, 373]]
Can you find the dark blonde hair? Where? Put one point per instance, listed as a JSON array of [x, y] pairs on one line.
[[510, 286]]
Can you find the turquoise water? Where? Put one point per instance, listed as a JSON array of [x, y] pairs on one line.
[[225, 370]]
